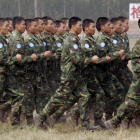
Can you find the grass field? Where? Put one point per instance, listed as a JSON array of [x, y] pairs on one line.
[[65, 132]]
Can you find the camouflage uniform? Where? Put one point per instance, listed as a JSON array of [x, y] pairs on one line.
[[121, 68], [40, 91], [132, 101], [50, 69], [112, 87], [71, 80], [59, 44], [8, 83], [16, 43], [89, 49]]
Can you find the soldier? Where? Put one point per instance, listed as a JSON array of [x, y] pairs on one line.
[[104, 47], [43, 91], [8, 82], [66, 23], [132, 101], [119, 44], [60, 30], [50, 46], [88, 46], [71, 80], [128, 73], [118, 85], [17, 45]]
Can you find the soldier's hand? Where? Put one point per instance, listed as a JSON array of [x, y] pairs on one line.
[[122, 58], [47, 54], [108, 59], [34, 57], [95, 59], [122, 53], [19, 57]]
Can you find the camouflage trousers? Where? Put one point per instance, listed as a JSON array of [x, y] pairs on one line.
[[131, 104], [42, 92], [72, 85], [9, 85], [57, 74], [97, 96], [125, 76], [112, 106], [50, 76]]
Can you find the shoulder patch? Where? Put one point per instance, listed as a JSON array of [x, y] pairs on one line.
[[102, 44], [31, 45], [75, 46], [7, 40], [44, 43], [58, 44], [86, 46], [18, 45], [1, 45], [115, 41]]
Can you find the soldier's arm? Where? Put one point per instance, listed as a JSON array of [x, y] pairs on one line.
[[76, 55]]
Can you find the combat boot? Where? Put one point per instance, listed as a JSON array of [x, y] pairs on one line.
[[40, 121], [30, 121], [125, 124], [52, 121], [72, 121], [88, 126], [98, 122], [109, 125]]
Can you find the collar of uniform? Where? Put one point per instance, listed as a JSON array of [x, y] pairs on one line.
[[90, 37], [2, 36], [72, 34], [45, 33], [17, 33]]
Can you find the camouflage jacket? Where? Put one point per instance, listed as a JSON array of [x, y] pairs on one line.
[[16, 43], [136, 60], [8, 36], [32, 45], [71, 57], [5, 58], [105, 48], [118, 44], [50, 43], [89, 49], [59, 44], [126, 47]]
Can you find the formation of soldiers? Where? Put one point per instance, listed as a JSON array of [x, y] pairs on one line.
[[45, 66]]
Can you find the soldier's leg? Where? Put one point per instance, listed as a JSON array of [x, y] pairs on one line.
[[84, 99], [43, 93], [124, 78], [131, 103], [98, 95], [119, 99], [59, 99], [51, 80], [28, 90], [58, 74], [17, 97], [70, 102], [111, 93]]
